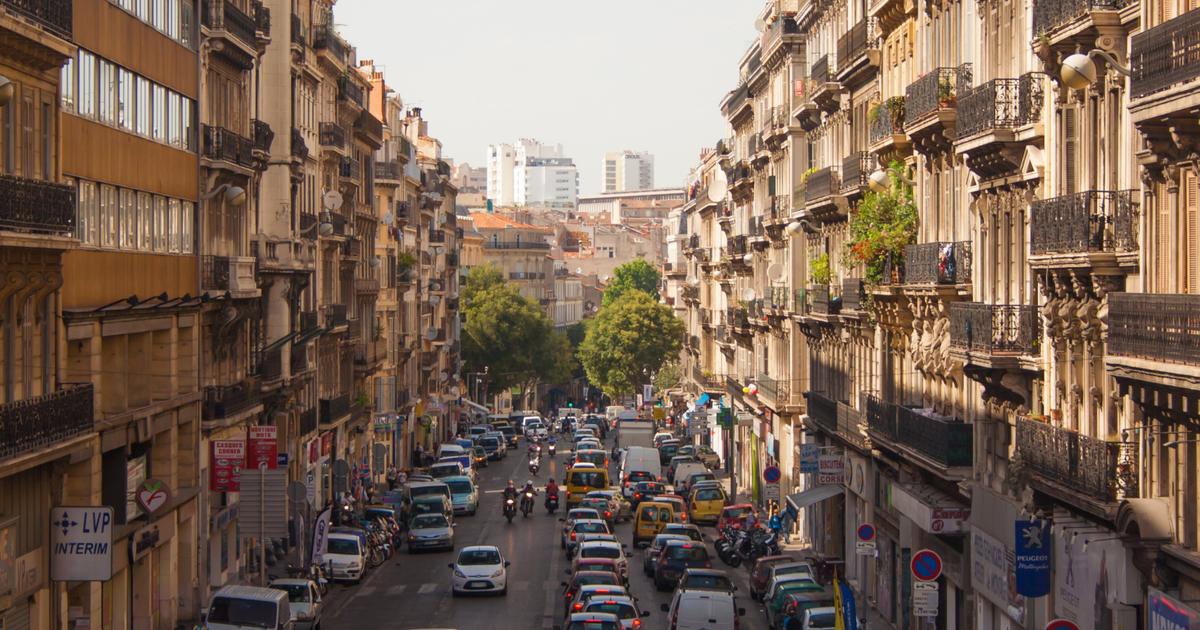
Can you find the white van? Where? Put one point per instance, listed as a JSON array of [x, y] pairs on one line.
[[345, 557], [245, 607], [639, 463], [702, 610], [684, 472], [450, 450]]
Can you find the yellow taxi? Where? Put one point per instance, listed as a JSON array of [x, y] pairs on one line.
[[581, 479]]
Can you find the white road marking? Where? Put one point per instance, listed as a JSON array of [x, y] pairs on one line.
[[398, 589], [365, 591], [427, 588]]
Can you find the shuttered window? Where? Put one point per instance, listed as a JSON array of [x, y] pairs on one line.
[[1070, 150], [1191, 233], [1162, 242]]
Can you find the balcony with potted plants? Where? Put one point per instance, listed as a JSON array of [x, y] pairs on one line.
[[997, 120], [879, 231], [946, 264], [931, 106], [886, 136]]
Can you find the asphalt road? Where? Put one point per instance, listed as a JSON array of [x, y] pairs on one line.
[[413, 590]]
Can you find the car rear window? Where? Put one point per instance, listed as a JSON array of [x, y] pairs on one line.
[[687, 552], [239, 612], [459, 487], [712, 582], [584, 580], [594, 625], [601, 552], [640, 475], [822, 620], [709, 494], [492, 442], [589, 479], [736, 512], [621, 610], [591, 528]]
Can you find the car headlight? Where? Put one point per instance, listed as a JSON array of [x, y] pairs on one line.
[[460, 574], [412, 537], [498, 573]]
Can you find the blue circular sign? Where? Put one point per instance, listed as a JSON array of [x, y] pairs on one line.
[[926, 565], [1061, 624], [771, 474], [866, 532]]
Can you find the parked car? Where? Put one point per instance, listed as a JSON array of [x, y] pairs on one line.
[[776, 600], [707, 456], [345, 554], [702, 610], [304, 601], [706, 580], [240, 607], [761, 573]]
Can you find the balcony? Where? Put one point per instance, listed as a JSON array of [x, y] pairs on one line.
[[226, 21], [335, 408], [1155, 327], [853, 291], [227, 402], [1086, 226], [268, 365], [37, 206], [778, 298], [822, 410], [352, 94], [335, 316], [333, 48], [332, 135], [262, 22], [857, 52], [221, 144], [308, 322], [994, 330], [825, 88], [777, 391], [930, 104], [437, 236], [298, 39], [55, 15], [1074, 467], [368, 355], [707, 381], [821, 189], [1162, 60], [299, 147], [299, 362], [989, 117], [274, 254], [232, 274], [938, 263], [308, 421], [350, 170], [738, 318], [366, 285], [42, 421], [820, 301], [1050, 15], [886, 135], [856, 167], [370, 128], [944, 441], [264, 137], [518, 244], [780, 32], [388, 172]]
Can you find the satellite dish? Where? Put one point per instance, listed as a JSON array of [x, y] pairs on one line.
[[454, 391], [775, 272], [719, 187], [431, 334], [579, 271], [332, 200], [388, 219], [748, 294], [748, 259], [443, 376]]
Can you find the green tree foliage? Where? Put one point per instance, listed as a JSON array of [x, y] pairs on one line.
[[480, 278], [667, 376], [633, 275], [881, 225], [510, 335], [628, 340]]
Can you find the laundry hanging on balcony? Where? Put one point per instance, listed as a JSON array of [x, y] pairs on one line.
[[946, 263]]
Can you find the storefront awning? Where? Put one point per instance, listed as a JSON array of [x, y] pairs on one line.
[[476, 407], [801, 500], [702, 400]]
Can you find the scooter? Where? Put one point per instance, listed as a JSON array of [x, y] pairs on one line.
[[534, 465], [510, 509], [551, 449], [527, 504], [551, 502]]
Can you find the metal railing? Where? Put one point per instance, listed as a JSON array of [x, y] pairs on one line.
[[1165, 55], [264, 136], [856, 167], [1000, 104], [821, 184], [222, 144], [224, 401], [55, 15], [325, 37], [34, 205], [350, 169], [819, 72], [938, 88], [849, 425], [43, 421], [938, 263], [297, 30], [886, 125], [299, 147], [943, 439], [334, 408], [299, 362], [856, 41], [349, 91], [778, 298], [369, 125], [335, 315], [995, 328], [331, 135], [490, 244], [821, 302], [1089, 221], [823, 410], [852, 293], [1107, 471], [1051, 14], [778, 390], [308, 421], [388, 170], [1157, 326], [226, 16], [262, 19]]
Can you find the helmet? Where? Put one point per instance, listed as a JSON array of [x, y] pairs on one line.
[[529, 482], [510, 483]]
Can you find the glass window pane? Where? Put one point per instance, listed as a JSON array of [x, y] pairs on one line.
[[173, 226], [125, 99], [145, 211], [142, 109], [84, 222], [108, 216], [185, 114], [160, 224], [107, 90], [128, 222], [185, 228], [158, 120], [173, 124], [67, 83], [87, 84]]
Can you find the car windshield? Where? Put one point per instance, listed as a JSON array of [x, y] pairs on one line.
[[709, 582], [491, 441], [687, 552], [822, 620], [444, 470], [345, 546], [474, 557], [578, 514], [620, 609], [242, 612], [591, 528], [297, 593], [459, 487], [736, 512], [600, 551], [709, 494], [682, 531], [429, 521], [584, 580], [589, 479]]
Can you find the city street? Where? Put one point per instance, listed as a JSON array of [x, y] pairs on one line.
[[413, 591]]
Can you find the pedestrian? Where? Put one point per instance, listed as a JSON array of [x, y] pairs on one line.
[[391, 477], [419, 456], [752, 519], [775, 523], [786, 525]]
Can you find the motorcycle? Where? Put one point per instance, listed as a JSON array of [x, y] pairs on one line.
[[551, 502], [527, 504], [534, 466], [551, 450], [510, 509]]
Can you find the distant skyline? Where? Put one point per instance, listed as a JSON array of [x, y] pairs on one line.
[[595, 78]]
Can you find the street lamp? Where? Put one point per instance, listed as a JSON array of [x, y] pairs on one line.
[[1079, 71], [879, 181], [234, 195]]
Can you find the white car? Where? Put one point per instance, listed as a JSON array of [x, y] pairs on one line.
[[480, 569], [700, 610], [823, 617], [623, 606], [605, 549], [304, 601], [345, 556]]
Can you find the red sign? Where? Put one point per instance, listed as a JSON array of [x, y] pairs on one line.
[[262, 441], [1061, 624], [926, 565], [226, 458], [326, 444], [314, 450]]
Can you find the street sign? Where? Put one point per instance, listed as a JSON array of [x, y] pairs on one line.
[[926, 565], [771, 492], [81, 544], [925, 599], [772, 474], [225, 465], [745, 419], [866, 532], [263, 507], [810, 455], [1062, 624], [1032, 558]]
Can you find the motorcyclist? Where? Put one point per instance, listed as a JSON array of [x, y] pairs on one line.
[[529, 489], [510, 491], [551, 488]]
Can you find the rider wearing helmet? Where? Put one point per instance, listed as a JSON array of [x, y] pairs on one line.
[[510, 491]]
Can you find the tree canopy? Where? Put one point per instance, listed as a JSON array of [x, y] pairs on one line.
[[628, 340], [480, 278], [634, 275]]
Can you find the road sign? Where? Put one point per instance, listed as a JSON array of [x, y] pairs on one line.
[[771, 492], [925, 599], [926, 565], [262, 446], [81, 544], [263, 507], [809, 456], [1061, 624], [771, 474], [866, 532]]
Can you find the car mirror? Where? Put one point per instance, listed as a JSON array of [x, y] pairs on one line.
[[741, 612], [450, 566], [664, 608], [645, 613], [507, 563]]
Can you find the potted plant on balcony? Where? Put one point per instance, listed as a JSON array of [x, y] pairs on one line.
[[404, 264], [946, 95], [895, 109], [819, 271], [881, 226]]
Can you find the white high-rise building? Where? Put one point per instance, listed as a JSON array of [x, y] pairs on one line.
[[628, 170], [529, 173]]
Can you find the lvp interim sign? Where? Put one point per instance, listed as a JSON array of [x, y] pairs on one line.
[[81, 544]]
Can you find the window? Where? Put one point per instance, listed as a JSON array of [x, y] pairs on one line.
[[160, 224], [186, 221], [145, 213], [7, 140], [108, 216], [89, 211], [158, 117], [125, 99], [107, 92], [87, 84], [174, 125], [185, 116], [173, 225], [142, 110], [127, 236], [67, 85], [47, 140]]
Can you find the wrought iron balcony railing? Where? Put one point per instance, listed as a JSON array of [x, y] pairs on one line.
[[55, 15], [778, 298], [299, 358], [349, 91], [856, 41], [778, 390], [823, 410], [388, 170], [1000, 104], [939, 88], [1165, 55], [1106, 471], [335, 315], [225, 15], [1051, 14], [34, 205], [324, 37], [1089, 221], [852, 293], [43, 421], [995, 328], [489, 244], [222, 144], [262, 19], [331, 135], [1160, 327], [944, 439], [264, 137], [820, 70], [886, 125], [308, 421], [351, 169], [335, 407], [821, 184], [938, 263], [297, 30], [299, 147], [225, 401], [856, 167]]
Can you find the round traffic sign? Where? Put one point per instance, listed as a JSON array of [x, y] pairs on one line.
[[926, 565], [771, 474], [866, 532], [1061, 624]]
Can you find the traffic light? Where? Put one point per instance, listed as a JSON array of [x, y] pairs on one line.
[[570, 404]]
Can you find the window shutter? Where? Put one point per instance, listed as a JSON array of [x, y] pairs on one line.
[[1162, 243], [1192, 236], [1168, 10], [1070, 147]]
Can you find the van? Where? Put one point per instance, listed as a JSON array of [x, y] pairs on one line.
[[612, 411], [244, 607], [640, 463], [706, 504], [684, 473], [345, 556], [582, 479], [447, 468], [649, 520], [417, 489], [702, 610]]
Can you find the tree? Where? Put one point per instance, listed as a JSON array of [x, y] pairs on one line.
[[480, 278], [512, 337], [667, 376], [629, 340], [635, 274]]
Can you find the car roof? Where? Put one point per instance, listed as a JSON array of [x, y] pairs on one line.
[[687, 526], [706, 572], [682, 543], [289, 582], [572, 510], [589, 520], [424, 484], [480, 548], [583, 465], [241, 591], [600, 543], [702, 594], [457, 478], [344, 535], [593, 616], [680, 537]]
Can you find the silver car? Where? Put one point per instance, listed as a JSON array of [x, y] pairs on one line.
[[304, 601], [430, 531]]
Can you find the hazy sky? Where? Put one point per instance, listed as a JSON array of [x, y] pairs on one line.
[[593, 76]]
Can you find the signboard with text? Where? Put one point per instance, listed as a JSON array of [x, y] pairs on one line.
[[81, 544], [1032, 560], [262, 442], [225, 462], [1164, 611], [831, 469], [810, 455], [925, 599]]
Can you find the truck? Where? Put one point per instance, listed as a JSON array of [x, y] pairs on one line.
[[633, 431]]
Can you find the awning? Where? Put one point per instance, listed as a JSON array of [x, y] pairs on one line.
[[799, 501], [309, 335], [702, 400], [477, 407]]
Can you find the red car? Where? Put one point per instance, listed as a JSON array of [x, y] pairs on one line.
[[762, 572], [734, 515]]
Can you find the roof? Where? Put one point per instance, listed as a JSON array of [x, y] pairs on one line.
[[493, 221], [250, 592], [481, 548]]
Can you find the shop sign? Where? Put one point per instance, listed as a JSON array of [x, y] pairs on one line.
[[1086, 580], [831, 469], [81, 544], [144, 540], [152, 495], [1164, 612], [314, 450], [225, 465], [991, 574], [263, 444], [935, 519], [326, 444], [1032, 558], [384, 422], [810, 458], [925, 599]]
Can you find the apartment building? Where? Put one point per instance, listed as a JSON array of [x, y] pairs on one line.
[[522, 253], [628, 171], [1021, 359]]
